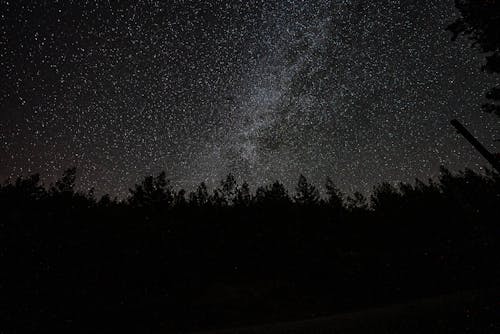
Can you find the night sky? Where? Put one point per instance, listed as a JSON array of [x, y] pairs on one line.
[[361, 91]]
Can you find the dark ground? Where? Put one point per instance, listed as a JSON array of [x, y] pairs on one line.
[[463, 312], [166, 262]]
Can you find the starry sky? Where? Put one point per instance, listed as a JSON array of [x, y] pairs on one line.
[[361, 91]]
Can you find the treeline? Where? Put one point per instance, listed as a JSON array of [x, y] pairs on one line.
[[165, 259], [155, 193]]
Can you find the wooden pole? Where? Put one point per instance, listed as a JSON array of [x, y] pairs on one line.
[[477, 145]]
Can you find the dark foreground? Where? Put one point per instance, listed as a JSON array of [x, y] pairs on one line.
[[464, 312], [163, 261]]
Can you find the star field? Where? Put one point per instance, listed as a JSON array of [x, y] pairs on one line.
[[359, 91]]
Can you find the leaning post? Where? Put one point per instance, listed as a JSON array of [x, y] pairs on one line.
[[492, 159]]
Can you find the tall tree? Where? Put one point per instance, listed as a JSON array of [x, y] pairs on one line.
[[243, 196], [200, 196], [306, 193], [180, 199], [228, 189], [272, 195], [152, 192], [335, 197], [357, 202], [66, 184], [480, 22]]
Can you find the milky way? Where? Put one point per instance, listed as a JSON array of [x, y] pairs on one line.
[[359, 91]]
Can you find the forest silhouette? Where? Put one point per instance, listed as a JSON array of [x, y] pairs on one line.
[[230, 256]]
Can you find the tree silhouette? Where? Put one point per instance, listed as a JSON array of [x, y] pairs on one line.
[[274, 194], [335, 197], [29, 187], [480, 21], [386, 198], [199, 197], [357, 202], [180, 199], [105, 201], [306, 193], [66, 184], [153, 192], [243, 196], [196, 259], [226, 193]]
